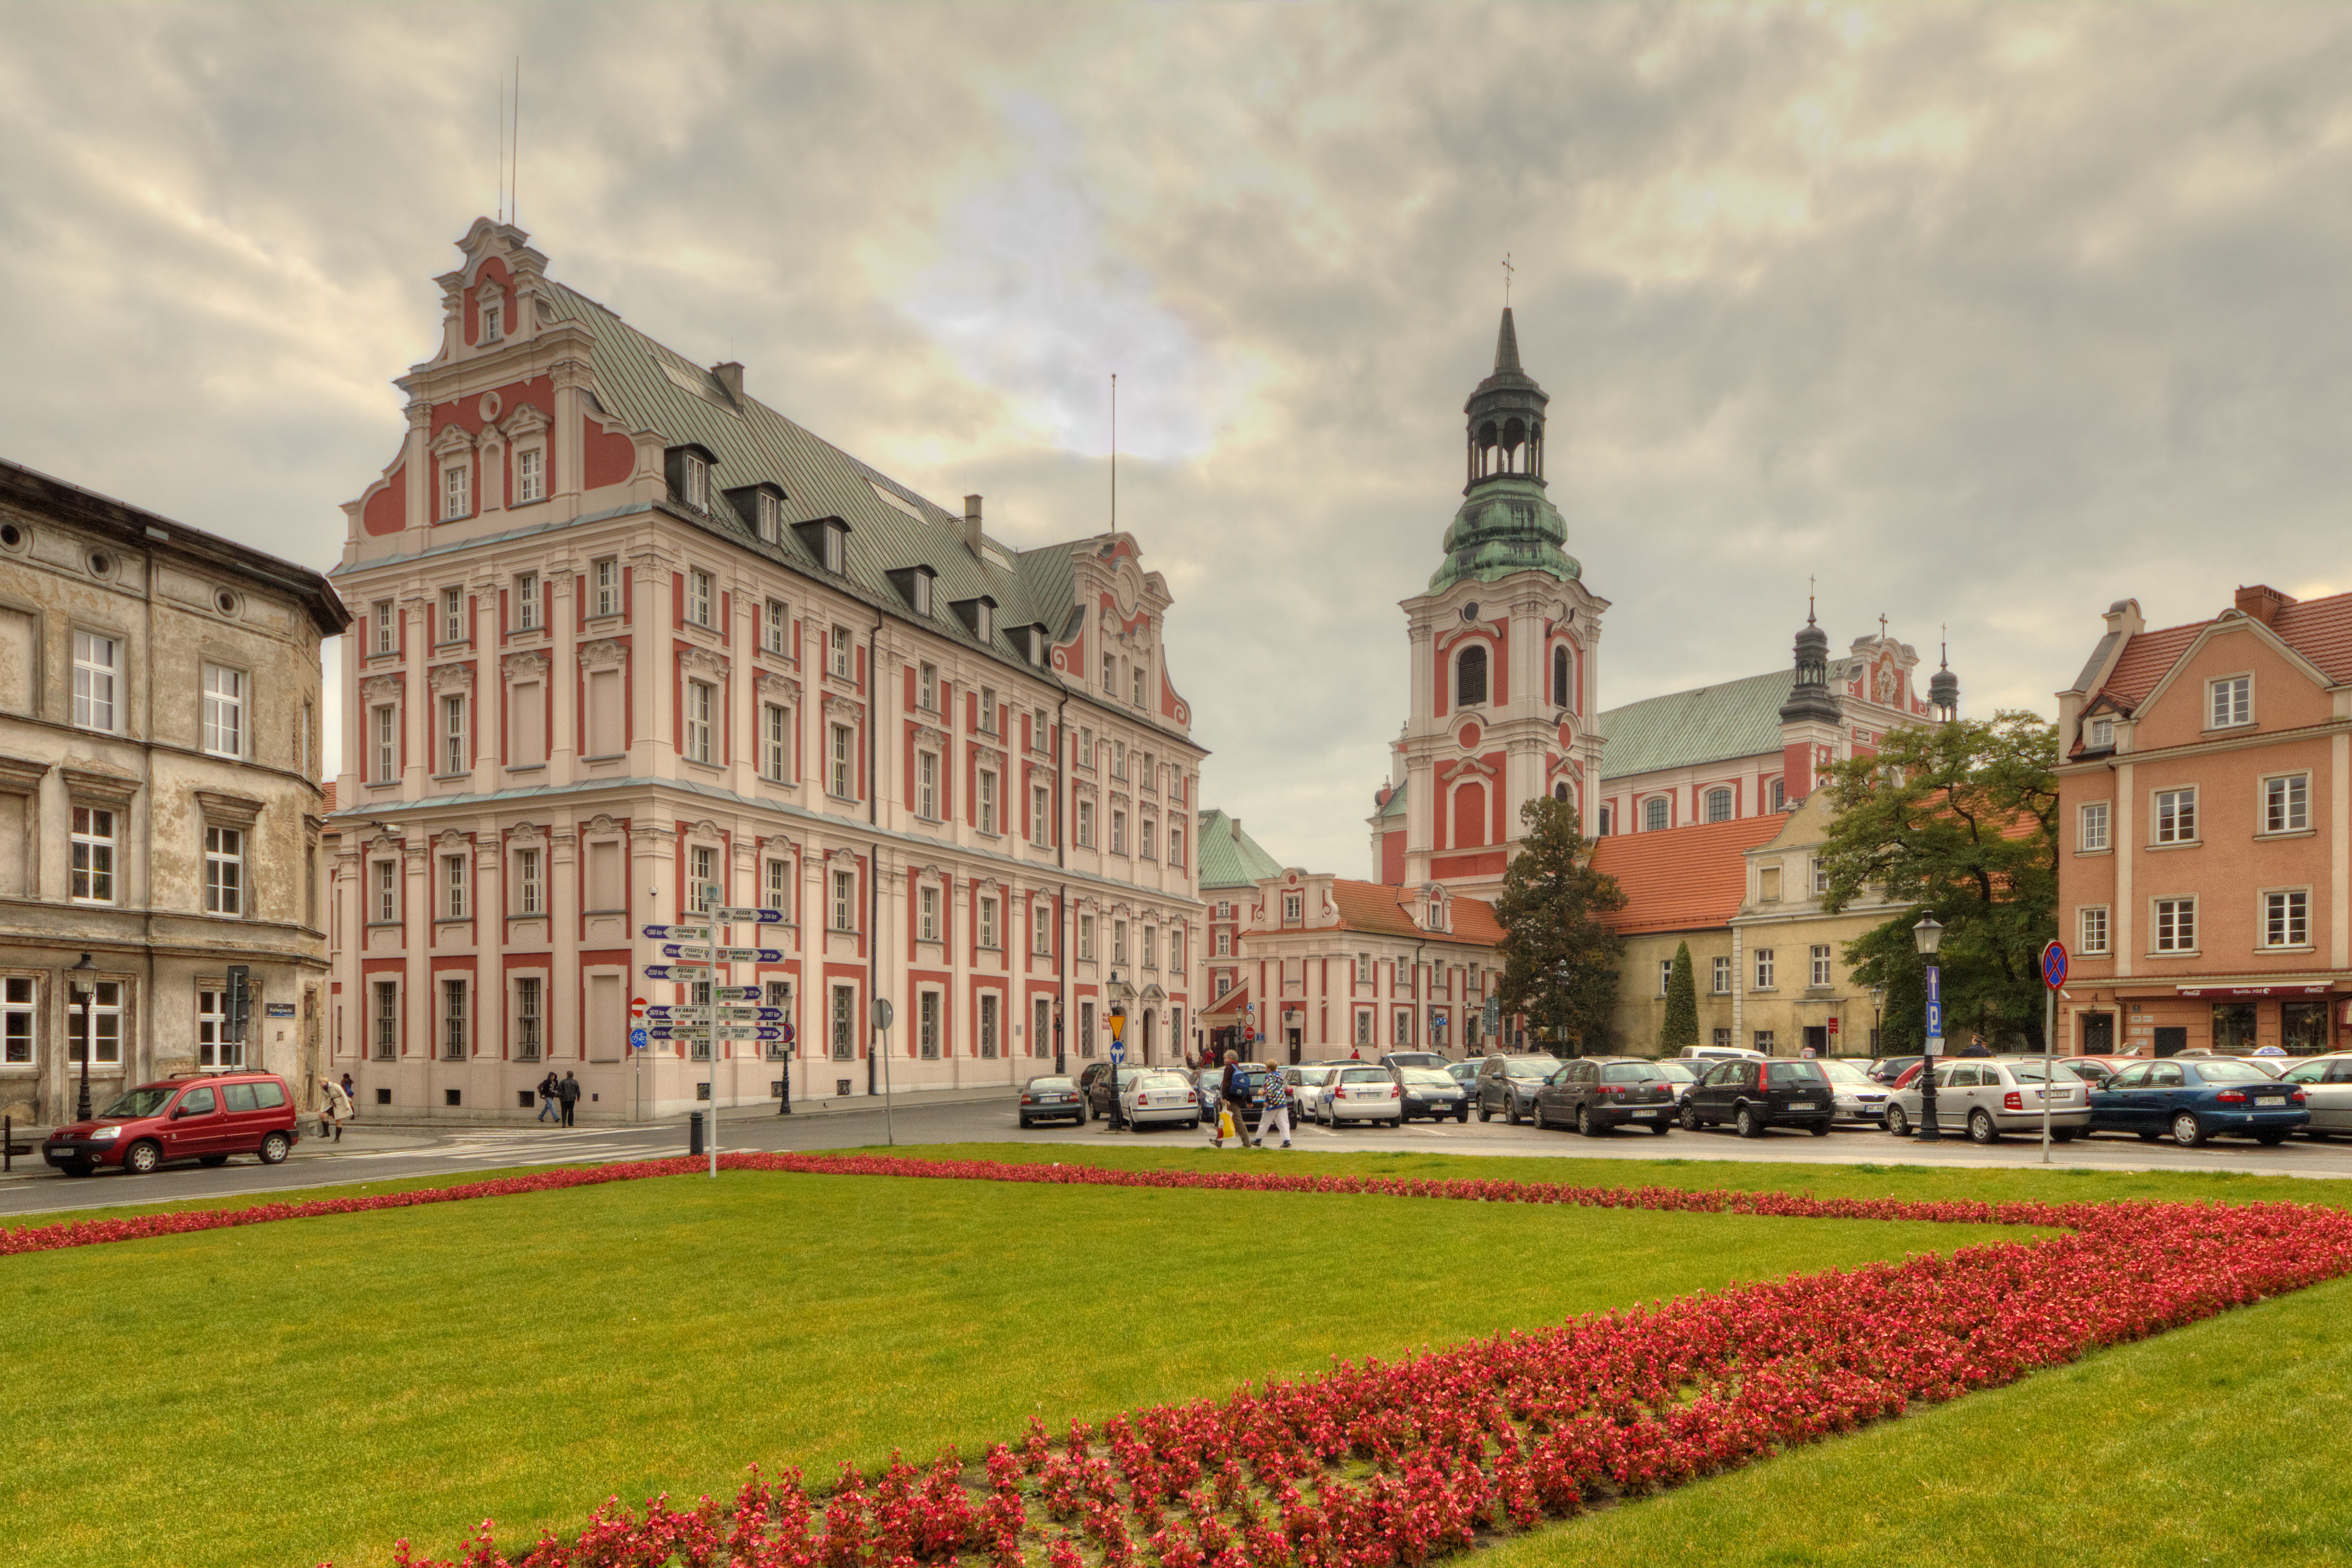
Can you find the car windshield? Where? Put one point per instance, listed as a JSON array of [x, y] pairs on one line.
[[1531, 1067], [2028, 1071], [1680, 1072], [1425, 1074], [1796, 1074], [144, 1101], [1163, 1080], [2087, 1070], [1844, 1072], [2230, 1072], [1630, 1072], [1363, 1075]]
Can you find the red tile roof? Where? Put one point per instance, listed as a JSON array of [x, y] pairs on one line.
[[1684, 878], [1378, 910], [1225, 1007], [2319, 629], [330, 801]]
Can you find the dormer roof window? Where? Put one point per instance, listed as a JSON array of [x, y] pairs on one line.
[[491, 333], [978, 616], [826, 539], [2103, 734], [689, 476], [762, 508], [914, 586], [1031, 641]]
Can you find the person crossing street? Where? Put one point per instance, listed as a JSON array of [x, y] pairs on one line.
[[1276, 1110]]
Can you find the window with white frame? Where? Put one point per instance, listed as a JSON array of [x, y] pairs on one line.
[[927, 1024], [2103, 734], [1110, 673], [2286, 919], [1779, 803], [2233, 701], [987, 924], [986, 799], [702, 877], [1763, 969], [926, 688], [214, 1048], [1041, 814], [490, 325], [453, 615], [1225, 944], [1224, 983], [2176, 817], [701, 697], [775, 741], [1665, 974], [2091, 930], [529, 897], [387, 892], [699, 597], [2286, 802], [454, 756], [839, 775], [1718, 805], [1119, 759], [844, 901], [1721, 980], [383, 1019], [455, 1035], [843, 1022], [988, 711], [1086, 825], [1087, 938], [1363, 1026], [95, 1031], [1147, 835], [1821, 956], [1119, 942], [2176, 925], [606, 578], [1763, 1039], [926, 786], [527, 1016], [531, 474], [1292, 904], [453, 886], [96, 659], [385, 629], [773, 621], [839, 647], [1654, 815], [1041, 928], [457, 490], [1175, 845], [780, 888], [1117, 832], [767, 516], [526, 600], [93, 873], [387, 743], [1150, 942], [17, 1021], [1176, 947], [988, 1024], [2091, 829], [1137, 673], [224, 711], [694, 480], [926, 913], [1820, 877], [223, 871], [779, 996]]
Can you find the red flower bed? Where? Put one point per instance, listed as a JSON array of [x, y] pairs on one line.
[[1386, 1465]]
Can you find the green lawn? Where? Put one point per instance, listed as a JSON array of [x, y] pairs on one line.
[[289, 1393]]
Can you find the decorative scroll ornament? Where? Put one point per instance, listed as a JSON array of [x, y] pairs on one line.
[[378, 689], [703, 661], [525, 666], [603, 654], [451, 678], [771, 684]]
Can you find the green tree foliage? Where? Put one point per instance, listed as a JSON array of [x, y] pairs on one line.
[[1959, 821], [1681, 1025], [1559, 955]]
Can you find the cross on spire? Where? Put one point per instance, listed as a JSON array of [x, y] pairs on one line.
[[1507, 270], [1810, 584], [1882, 628]]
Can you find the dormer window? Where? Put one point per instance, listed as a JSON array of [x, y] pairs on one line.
[[978, 616], [690, 477], [489, 325], [914, 586], [2103, 734], [769, 516], [822, 538]]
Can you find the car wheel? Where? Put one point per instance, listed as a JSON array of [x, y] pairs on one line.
[[2061, 1134], [2269, 1139], [1980, 1127], [1750, 1124], [142, 1158], [1584, 1122], [1897, 1124], [1511, 1109], [2186, 1131], [274, 1149], [1486, 1111], [212, 1162], [1463, 1115], [78, 1168], [1690, 1118], [1541, 1124], [1820, 1129], [1661, 1129], [2316, 1134]]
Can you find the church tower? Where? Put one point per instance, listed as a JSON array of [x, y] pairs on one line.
[[1505, 644]]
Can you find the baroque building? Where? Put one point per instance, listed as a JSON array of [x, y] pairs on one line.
[[625, 632], [160, 804]]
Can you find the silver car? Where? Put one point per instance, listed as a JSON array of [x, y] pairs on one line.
[[1160, 1100], [1986, 1097], [1859, 1096], [2326, 1084], [1309, 1088], [1364, 1093]]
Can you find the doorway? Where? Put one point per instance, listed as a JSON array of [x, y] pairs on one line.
[[1817, 1039], [1293, 1034], [2099, 1035], [1147, 1037], [2171, 1042]]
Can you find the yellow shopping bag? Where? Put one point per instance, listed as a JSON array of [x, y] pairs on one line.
[[1226, 1125]]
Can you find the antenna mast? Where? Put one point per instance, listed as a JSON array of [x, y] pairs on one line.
[[514, 157], [1114, 451]]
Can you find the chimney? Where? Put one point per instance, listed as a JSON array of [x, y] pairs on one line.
[[1237, 827], [2262, 603], [972, 523], [731, 376]]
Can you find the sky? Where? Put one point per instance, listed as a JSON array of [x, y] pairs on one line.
[[1981, 316]]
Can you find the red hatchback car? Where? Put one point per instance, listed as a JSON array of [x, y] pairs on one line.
[[202, 1119]]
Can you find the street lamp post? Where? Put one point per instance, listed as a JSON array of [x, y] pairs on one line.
[[1119, 991], [1929, 934], [82, 993], [1877, 1001], [1060, 1066]]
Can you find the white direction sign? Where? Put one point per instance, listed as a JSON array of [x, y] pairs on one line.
[[751, 916], [735, 1014], [680, 971], [749, 955], [692, 950], [735, 994], [677, 933]]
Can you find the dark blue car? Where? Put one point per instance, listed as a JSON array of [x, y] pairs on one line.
[[2192, 1101]]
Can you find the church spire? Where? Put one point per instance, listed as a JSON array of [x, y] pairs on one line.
[[1506, 525], [1944, 686], [1809, 694], [1506, 346]]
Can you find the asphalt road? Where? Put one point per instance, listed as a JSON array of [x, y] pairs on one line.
[[371, 1154]]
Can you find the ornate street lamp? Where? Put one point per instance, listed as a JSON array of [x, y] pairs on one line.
[[1929, 934], [1877, 1002], [84, 995]]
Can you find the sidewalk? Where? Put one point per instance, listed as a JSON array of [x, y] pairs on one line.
[[387, 1117]]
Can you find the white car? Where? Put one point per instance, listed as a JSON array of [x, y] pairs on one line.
[[1988, 1096], [1364, 1093], [1309, 1085], [1860, 1097], [1160, 1100]]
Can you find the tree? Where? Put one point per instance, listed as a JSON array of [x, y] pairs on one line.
[[1959, 821], [1681, 1025], [1559, 956]]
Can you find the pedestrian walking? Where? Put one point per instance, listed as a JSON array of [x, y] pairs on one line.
[[551, 1096], [1278, 1110], [352, 1093], [1231, 1092], [335, 1110], [568, 1091]]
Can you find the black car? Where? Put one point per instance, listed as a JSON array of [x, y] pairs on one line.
[[1597, 1093], [1756, 1095], [1889, 1070], [1095, 1088], [1509, 1084], [1430, 1092], [1050, 1099]]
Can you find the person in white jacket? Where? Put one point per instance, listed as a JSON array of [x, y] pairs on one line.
[[337, 1107]]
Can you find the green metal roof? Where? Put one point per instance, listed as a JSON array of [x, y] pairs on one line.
[[1228, 857], [1395, 807], [1710, 724], [1506, 526]]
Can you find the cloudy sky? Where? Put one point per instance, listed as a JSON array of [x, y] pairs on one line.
[[1983, 315]]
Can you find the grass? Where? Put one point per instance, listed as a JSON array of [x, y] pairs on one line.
[[289, 1393]]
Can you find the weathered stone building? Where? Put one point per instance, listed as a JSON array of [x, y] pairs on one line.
[[158, 803]]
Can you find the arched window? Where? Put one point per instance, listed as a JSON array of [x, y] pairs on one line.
[[1560, 792], [1718, 805], [1654, 815], [1560, 677], [1779, 796], [1470, 677], [1469, 816]]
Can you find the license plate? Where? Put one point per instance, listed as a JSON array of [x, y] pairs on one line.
[[2270, 1100], [1646, 1113], [1801, 1105]]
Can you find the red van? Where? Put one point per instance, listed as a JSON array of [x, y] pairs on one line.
[[202, 1119]]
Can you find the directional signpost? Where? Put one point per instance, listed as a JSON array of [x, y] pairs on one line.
[[2053, 976], [732, 1014]]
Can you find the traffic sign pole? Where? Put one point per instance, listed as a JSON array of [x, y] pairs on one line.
[[2054, 975]]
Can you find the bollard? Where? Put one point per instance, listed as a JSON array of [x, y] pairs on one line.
[[694, 1133]]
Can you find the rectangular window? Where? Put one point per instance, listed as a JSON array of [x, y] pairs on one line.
[[453, 758], [1363, 1026], [1119, 942], [2233, 701], [2103, 734], [1176, 947], [526, 600], [767, 517], [775, 742], [698, 597], [2092, 930], [987, 801], [453, 886], [988, 1024], [844, 901], [526, 1019], [1041, 928], [1086, 757], [2091, 836], [1151, 937], [926, 688], [387, 745], [1722, 983], [926, 786], [2176, 817], [531, 474], [452, 1021], [1821, 878], [694, 480], [1085, 1028], [608, 579], [927, 914], [988, 711], [1146, 838], [844, 1023], [528, 899], [384, 1015], [780, 888], [839, 646], [95, 659], [988, 937], [1665, 974], [1176, 846], [1820, 965], [386, 629], [1110, 673], [703, 890], [1041, 814], [837, 766], [1291, 907], [453, 615], [1119, 759], [1086, 825], [700, 697], [927, 1024], [2287, 919], [1041, 1028], [16, 1023], [387, 892], [224, 712], [1137, 684], [1764, 1041], [1118, 832], [456, 492], [223, 871], [2287, 804], [1087, 938], [772, 622], [1225, 944], [1763, 969], [2176, 925], [93, 854], [211, 1023]]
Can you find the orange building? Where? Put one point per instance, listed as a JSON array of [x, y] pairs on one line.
[[2205, 848]]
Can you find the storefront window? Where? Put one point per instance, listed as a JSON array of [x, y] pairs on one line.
[[2233, 1026], [2303, 1027]]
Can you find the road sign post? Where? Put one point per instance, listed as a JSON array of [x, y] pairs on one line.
[[882, 1025], [2054, 975]]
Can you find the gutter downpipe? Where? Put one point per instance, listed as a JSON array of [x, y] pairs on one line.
[[872, 847]]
